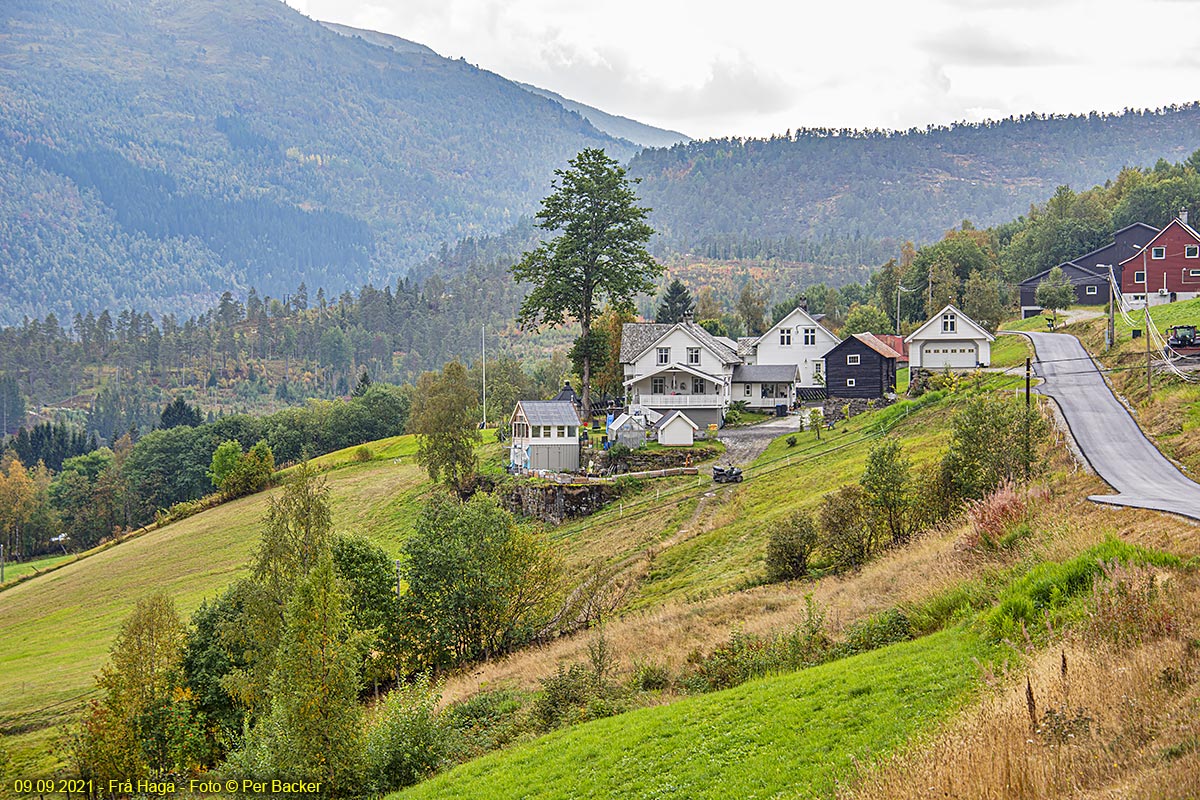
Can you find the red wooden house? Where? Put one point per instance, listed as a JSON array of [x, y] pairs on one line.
[[1166, 269]]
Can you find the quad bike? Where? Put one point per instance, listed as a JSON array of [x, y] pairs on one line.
[[730, 474]]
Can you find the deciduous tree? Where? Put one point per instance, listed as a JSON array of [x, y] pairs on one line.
[[444, 420], [1055, 293]]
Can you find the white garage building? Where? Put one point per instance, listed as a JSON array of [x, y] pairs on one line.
[[950, 340]]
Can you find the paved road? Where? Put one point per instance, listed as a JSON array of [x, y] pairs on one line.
[[743, 445], [1109, 438]]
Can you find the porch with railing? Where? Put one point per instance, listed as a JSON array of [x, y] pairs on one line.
[[679, 400]]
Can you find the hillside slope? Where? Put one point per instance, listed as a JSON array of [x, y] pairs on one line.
[[157, 154], [837, 194]]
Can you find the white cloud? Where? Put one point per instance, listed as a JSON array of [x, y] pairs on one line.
[[762, 66]]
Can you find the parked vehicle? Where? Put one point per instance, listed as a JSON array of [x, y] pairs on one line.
[[1183, 337], [730, 474]]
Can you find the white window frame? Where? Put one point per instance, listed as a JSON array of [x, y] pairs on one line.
[[749, 390], [949, 322], [697, 385], [810, 336], [1158, 253], [658, 386], [663, 356], [850, 382], [1142, 279], [693, 356], [535, 432], [785, 337], [560, 431], [1091, 290], [1191, 251], [816, 369], [1194, 273], [853, 360]]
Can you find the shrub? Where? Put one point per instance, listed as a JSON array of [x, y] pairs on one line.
[[993, 516], [791, 440], [988, 445], [485, 722], [878, 630], [564, 697], [846, 531], [408, 741], [733, 416], [362, 454], [790, 546], [650, 676]]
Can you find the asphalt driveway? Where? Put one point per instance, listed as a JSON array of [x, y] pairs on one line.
[[1107, 435]]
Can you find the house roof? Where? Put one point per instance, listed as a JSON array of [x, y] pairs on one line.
[[895, 342], [638, 337], [745, 344], [807, 319], [566, 394], [677, 414], [628, 421], [979, 330], [765, 373], [1177, 222], [1110, 246], [549, 412], [872, 341], [1078, 275], [670, 367]]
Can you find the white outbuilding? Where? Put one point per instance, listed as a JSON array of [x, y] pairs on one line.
[[676, 430], [949, 340]]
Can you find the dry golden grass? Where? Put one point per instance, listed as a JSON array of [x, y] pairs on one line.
[[1066, 524], [1115, 723]]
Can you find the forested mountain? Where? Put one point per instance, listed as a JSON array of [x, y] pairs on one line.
[[155, 154], [851, 197]]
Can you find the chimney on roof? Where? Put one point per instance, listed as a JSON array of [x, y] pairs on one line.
[[1183, 216], [687, 317], [804, 303]]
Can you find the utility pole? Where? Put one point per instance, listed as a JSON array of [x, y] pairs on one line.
[[1149, 378], [483, 350], [1028, 458], [1110, 339], [899, 289]]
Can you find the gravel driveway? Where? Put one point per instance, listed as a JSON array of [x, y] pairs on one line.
[[743, 445]]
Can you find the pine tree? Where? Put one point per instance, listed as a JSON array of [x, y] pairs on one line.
[[676, 304]]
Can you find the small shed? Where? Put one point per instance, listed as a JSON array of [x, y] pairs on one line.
[[861, 366], [676, 430], [545, 435], [629, 430]]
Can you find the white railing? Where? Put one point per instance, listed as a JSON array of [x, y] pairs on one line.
[[680, 400]]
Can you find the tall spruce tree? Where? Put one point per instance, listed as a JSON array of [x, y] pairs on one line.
[[676, 303], [599, 252]]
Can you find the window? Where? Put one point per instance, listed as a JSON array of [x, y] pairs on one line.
[[1138, 297], [853, 360], [949, 323], [1139, 277], [697, 386], [562, 431], [693, 354], [664, 356], [849, 381], [571, 431], [810, 335], [749, 389], [1194, 273], [785, 337], [658, 385], [816, 369], [1091, 290], [1192, 251], [1158, 252], [537, 431]]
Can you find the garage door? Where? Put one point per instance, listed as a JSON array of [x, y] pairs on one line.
[[954, 355]]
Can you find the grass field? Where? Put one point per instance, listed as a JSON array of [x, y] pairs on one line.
[[55, 630], [20, 569], [789, 736]]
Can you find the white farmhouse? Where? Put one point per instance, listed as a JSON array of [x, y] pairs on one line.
[[800, 339], [949, 340], [677, 366]]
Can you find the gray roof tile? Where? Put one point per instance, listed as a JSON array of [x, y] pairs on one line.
[[549, 412]]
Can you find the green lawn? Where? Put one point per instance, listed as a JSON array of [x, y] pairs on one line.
[[13, 571], [789, 736]]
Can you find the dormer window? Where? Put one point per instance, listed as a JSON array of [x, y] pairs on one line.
[[1158, 253], [785, 337], [949, 323], [664, 356]]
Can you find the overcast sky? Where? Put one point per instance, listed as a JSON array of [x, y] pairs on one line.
[[758, 67]]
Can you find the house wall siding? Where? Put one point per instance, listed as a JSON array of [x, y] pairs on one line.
[[770, 351], [678, 341], [1172, 272], [873, 376]]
